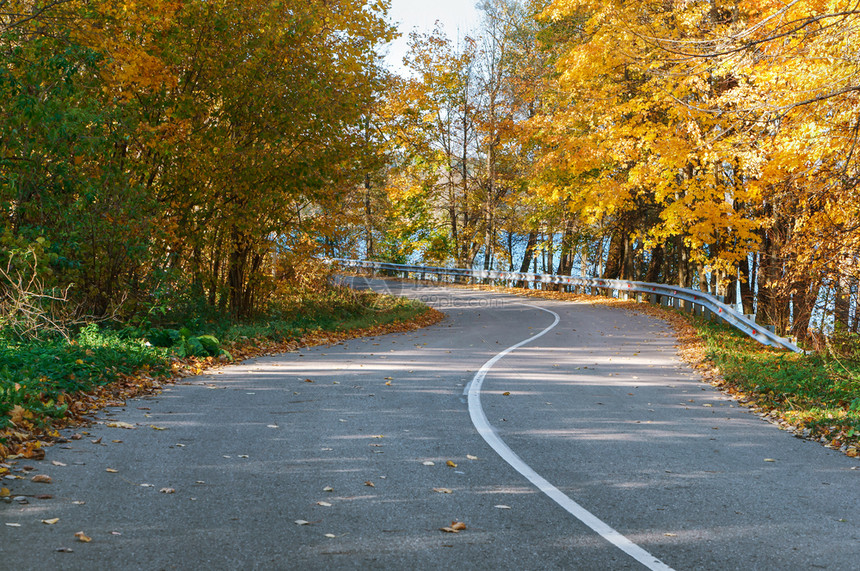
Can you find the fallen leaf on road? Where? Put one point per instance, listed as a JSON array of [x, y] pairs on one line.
[[506, 393], [330, 535], [502, 507], [470, 457], [42, 479], [97, 440], [51, 521], [81, 536], [443, 490], [272, 426], [5, 492], [328, 489], [13, 524], [65, 550], [308, 381], [57, 463], [324, 504], [42, 496], [429, 463], [455, 527], [302, 522], [671, 534], [167, 490], [769, 460], [120, 425], [152, 426], [389, 379], [451, 464], [369, 483], [111, 470]]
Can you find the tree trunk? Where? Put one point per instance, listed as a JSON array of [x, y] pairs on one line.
[[747, 269], [653, 274]]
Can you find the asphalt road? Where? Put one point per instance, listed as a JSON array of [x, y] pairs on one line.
[[588, 446]]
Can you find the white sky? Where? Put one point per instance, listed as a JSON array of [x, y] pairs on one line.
[[422, 14]]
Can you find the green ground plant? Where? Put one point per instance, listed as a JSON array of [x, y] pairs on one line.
[[41, 375], [817, 391]]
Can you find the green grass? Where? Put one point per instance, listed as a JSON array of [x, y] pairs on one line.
[[41, 376], [816, 391]]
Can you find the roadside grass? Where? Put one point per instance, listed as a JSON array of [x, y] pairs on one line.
[[818, 394], [50, 382]]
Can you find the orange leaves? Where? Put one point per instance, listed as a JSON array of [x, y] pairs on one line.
[[455, 527]]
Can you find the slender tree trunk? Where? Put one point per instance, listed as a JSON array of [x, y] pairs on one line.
[[368, 219], [842, 304], [653, 273], [747, 270], [565, 261]]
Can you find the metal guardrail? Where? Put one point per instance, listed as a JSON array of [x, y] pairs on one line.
[[700, 301]]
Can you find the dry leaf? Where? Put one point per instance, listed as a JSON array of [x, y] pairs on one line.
[[97, 440], [152, 426], [57, 463], [502, 507], [5, 492], [167, 490], [111, 470], [65, 550], [81, 536], [120, 425], [455, 527], [443, 490], [42, 496], [388, 383], [328, 489], [331, 535], [42, 479], [769, 460], [369, 483], [470, 457], [451, 464], [301, 522], [51, 521], [506, 393], [13, 524], [324, 504], [429, 463], [308, 381], [671, 534]]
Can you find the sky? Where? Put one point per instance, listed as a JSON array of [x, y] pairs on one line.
[[422, 14]]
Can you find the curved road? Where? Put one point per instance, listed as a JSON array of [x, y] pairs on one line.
[[575, 436]]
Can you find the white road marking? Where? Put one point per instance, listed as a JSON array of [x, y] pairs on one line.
[[489, 434]]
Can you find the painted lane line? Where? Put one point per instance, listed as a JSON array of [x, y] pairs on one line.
[[489, 434]]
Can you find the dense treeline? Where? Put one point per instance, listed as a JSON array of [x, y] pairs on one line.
[[710, 144], [165, 153], [161, 152]]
